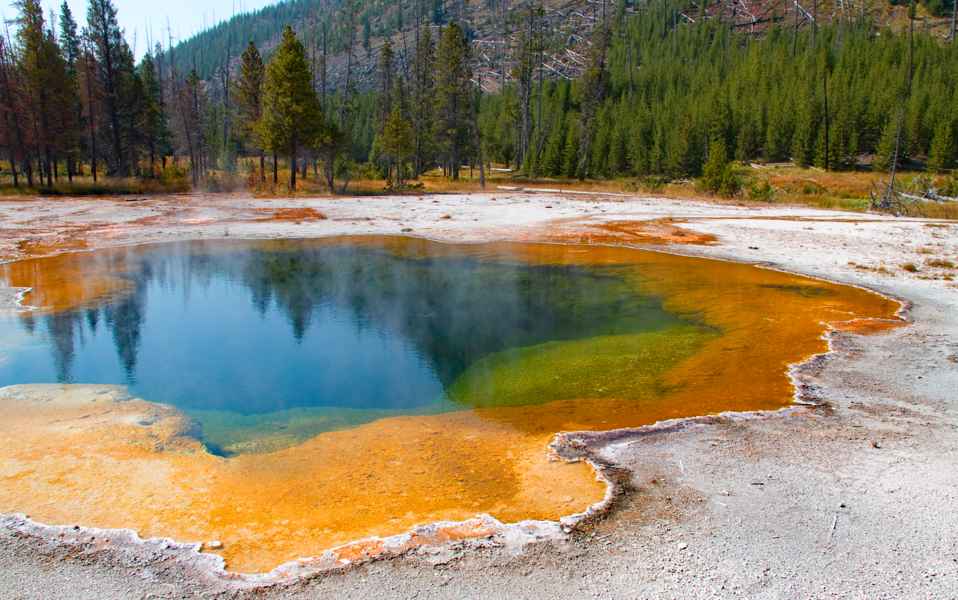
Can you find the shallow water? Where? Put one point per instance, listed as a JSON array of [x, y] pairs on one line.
[[357, 387]]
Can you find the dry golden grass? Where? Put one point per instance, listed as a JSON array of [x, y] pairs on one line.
[[936, 210], [844, 190], [789, 185]]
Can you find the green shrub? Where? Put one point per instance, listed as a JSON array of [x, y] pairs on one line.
[[718, 175], [761, 191]]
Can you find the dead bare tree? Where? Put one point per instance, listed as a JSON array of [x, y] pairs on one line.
[[478, 133], [890, 200], [350, 44], [524, 74], [954, 19]]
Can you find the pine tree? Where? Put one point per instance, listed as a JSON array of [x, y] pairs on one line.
[[397, 142], [594, 83], [292, 118], [777, 135], [423, 99], [154, 125], [13, 132], [941, 157], [249, 100], [885, 153], [453, 98], [555, 147], [104, 32], [70, 46], [718, 176], [132, 106], [90, 101], [806, 131], [602, 141], [570, 160], [386, 66], [47, 84]]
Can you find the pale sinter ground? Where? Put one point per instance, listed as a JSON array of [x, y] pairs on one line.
[[855, 501]]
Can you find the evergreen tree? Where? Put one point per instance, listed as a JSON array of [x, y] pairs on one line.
[[942, 154], [885, 153], [570, 160], [47, 84], [594, 83], [249, 100], [777, 135], [70, 47], [132, 106], [386, 66], [397, 142], [806, 131], [104, 32], [718, 176], [555, 147], [423, 98], [90, 103], [13, 132], [154, 126], [453, 98], [292, 118]]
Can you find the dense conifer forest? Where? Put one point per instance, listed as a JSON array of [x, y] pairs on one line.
[[660, 97], [661, 91]]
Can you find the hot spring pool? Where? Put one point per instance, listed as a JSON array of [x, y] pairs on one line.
[[293, 395]]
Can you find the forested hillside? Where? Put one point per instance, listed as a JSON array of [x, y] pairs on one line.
[[829, 96], [657, 89], [495, 25]]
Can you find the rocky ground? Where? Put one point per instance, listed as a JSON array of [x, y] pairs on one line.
[[855, 499]]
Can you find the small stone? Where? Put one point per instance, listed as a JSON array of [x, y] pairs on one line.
[[214, 545], [683, 546], [876, 444]]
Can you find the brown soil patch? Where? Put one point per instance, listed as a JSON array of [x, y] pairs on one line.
[[293, 215], [655, 232]]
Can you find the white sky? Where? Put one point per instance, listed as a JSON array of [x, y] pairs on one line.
[[139, 17]]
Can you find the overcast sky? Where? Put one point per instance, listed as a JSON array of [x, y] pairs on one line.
[[139, 17]]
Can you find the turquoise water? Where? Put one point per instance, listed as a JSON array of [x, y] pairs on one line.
[[257, 339]]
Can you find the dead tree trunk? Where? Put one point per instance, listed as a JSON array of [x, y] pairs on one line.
[[478, 134], [954, 19], [889, 200]]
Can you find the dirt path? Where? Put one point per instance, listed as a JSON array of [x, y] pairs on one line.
[[854, 500]]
